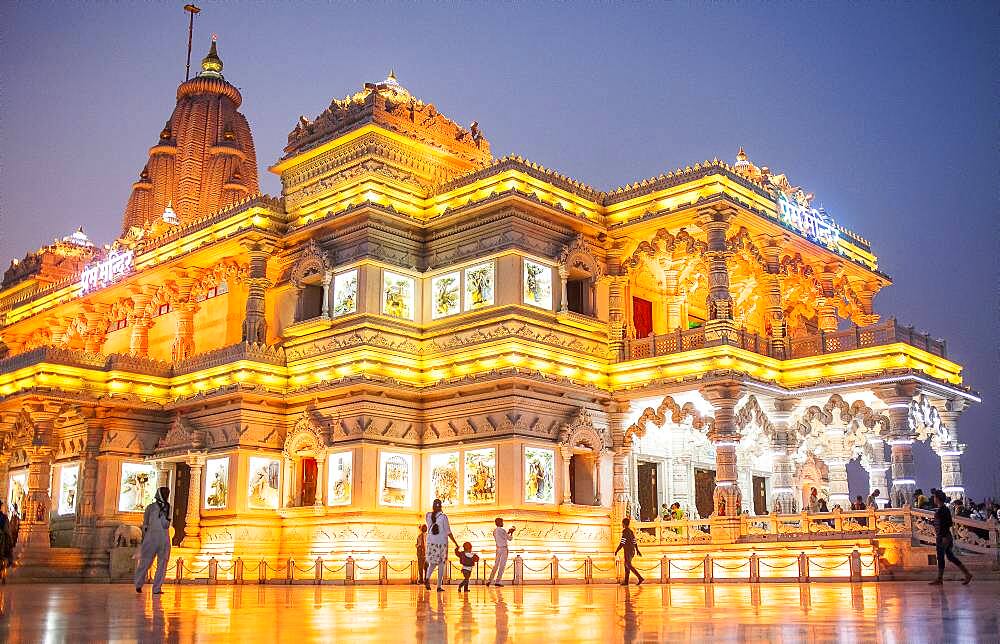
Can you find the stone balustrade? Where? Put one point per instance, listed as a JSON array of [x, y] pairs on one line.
[[857, 337]]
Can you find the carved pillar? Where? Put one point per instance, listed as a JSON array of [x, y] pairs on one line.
[[255, 322], [162, 474], [719, 328], [725, 436], [186, 306], [287, 478], [771, 248], [597, 477], [567, 454], [617, 415], [949, 449], [866, 292], [320, 479], [192, 520], [836, 464], [784, 442], [142, 321], [34, 533], [877, 468], [616, 305], [85, 530], [826, 306], [57, 331], [563, 279], [327, 280], [671, 299], [97, 327], [897, 398]]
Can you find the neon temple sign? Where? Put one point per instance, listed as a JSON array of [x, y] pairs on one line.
[[810, 222], [107, 271]]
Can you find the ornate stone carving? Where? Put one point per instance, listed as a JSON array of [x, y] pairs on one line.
[[659, 418]]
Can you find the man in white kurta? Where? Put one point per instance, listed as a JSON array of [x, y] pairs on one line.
[[502, 538]]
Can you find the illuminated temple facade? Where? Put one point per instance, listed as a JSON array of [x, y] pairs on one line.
[[415, 319]]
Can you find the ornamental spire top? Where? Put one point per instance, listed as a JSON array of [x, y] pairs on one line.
[[211, 65]]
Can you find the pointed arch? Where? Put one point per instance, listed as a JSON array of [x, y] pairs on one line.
[[659, 418]]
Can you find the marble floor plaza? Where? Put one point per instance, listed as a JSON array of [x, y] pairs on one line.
[[886, 612]]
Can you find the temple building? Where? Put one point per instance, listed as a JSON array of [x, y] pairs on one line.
[[414, 318]]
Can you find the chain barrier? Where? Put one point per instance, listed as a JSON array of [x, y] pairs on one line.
[[673, 565], [813, 562], [542, 569], [577, 569], [407, 567], [738, 567], [867, 565], [793, 563], [599, 569], [334, 569], [360, 567]]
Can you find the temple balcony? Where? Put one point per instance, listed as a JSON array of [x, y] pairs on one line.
[[857, 337]]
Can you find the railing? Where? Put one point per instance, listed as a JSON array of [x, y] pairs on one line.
[[981, 537], [857, 337]]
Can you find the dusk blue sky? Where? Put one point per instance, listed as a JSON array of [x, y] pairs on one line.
[[886, 111]]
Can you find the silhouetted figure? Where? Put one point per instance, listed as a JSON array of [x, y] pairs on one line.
[[631, 548], [944, 541], [155, 541]]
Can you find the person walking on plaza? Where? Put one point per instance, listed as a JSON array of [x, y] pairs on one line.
[[437, 544], [422, 554], [155, 541], [468, 560], [502, 538], [631, 548], [944, 541]]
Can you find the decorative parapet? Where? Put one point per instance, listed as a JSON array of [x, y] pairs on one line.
[[53, 355], [250, 351], [857, 337]]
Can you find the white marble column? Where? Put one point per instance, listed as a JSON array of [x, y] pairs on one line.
[[836, 463], [192, 520], [877, 468], [567, 455], [320, 479]]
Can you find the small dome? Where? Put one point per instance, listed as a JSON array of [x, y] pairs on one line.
[[79, 238], [211, 65]]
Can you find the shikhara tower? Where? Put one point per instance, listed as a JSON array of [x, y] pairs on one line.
[[204, 159], [415, 318]]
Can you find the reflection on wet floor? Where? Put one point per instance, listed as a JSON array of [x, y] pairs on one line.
[[891, 612]]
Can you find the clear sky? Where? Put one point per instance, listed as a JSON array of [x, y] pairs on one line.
[[886, 111]]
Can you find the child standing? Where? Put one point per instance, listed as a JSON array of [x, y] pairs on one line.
[[468, 560]]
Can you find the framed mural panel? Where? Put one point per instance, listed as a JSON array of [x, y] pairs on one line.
[[138, 485], [539, 475], [537, 284], [69, 476], [446, 295], [264, 483], [395, 479], [340, 483], [216, 483], [345, 293], [479, 286], [444, 477], [481, 476], [397, 295], [17, 491]]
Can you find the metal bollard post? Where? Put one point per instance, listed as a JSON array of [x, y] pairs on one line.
[[554, 570], [518, 571], [238, 571], [349, 570], [588, 570], [383, 571], [803, 567], [413, 571], [754, 568], [318, 577], [213, 571], [179, 574], [668, 570], [664, 569], [262, 572], [290, 570], [707, 569]]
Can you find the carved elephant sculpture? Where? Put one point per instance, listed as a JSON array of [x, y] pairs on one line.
[[128, 535]]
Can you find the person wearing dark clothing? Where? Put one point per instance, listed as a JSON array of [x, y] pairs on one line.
[[631, 548], [468, 559], [944, 540]]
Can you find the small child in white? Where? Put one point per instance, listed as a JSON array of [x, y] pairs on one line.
[[468, 560]]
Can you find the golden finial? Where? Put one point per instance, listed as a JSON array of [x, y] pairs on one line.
[[741, 155], [392, 75], [211, 64]]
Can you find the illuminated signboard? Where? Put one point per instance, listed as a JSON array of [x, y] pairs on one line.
[[810, 222], [107, 271]]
